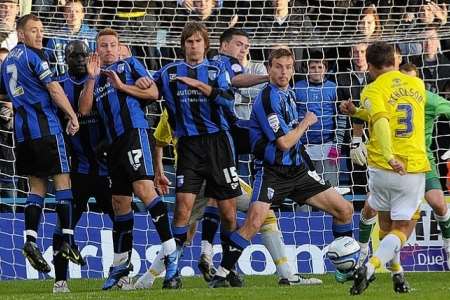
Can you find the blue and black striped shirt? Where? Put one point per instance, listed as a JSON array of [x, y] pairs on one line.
[[231, 64], [191, 112], [84, 143], [25, 75], [119, 111], [274, 114]]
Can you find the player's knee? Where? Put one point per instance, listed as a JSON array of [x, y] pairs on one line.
[[368, 212], [121, 204], [228, 220], [144, 190], [212, 202], [436, 200], [344, 212]]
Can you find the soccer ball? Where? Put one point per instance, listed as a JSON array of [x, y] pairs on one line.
[[344, 253]]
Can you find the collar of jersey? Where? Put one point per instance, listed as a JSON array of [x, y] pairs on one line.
[[82, 80], [286, 92], [204, 62]]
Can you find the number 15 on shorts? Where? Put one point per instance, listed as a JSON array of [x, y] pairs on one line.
[[231, 177]]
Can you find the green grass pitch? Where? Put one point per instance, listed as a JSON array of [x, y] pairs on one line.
[[425, 286]]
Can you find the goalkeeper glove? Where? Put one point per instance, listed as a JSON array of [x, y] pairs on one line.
[[358, 151]]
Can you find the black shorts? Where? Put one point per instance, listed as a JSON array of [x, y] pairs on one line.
[[207, 157], [129, 160], [273, 184], [86, 186], [42, 157]]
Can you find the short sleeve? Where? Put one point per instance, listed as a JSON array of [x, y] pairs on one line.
[[138, 69], [236, 68], [270, 116], [373, 102], [40, 66]]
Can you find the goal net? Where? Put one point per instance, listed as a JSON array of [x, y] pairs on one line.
[[334, 31]]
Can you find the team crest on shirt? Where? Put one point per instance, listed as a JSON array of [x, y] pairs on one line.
[[212, 74], [274, 123], [270, 193], [367, 103], [120, 68], [236, 68], [172, 77], [44, 65], [396, 82], [180, 180]]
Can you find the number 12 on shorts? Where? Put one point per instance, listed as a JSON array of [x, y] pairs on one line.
[[231, 174]]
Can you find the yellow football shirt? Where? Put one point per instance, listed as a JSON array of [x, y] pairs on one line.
[[163, 132], [401, 99]]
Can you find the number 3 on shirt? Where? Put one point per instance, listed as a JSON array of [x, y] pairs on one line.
[[406, 121]]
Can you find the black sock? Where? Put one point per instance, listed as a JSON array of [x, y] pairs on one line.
[[160, 218], [61, 264], [123, 232], [236, 246], [33, 210], [180, 235], [64, 211], [225, 241], [342, 230], [210, 223]]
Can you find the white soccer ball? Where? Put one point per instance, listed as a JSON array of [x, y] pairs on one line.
[[344, 253]]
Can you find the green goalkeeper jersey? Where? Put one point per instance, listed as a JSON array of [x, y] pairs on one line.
[[434, 107]]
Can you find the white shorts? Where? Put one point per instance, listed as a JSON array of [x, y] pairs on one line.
[[401, 195]]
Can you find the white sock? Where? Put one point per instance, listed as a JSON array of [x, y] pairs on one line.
[[388, 248], [446, 244], [158, 266], [168, 247], [396, 266], [443, 218], [207, 248], [222, 272], [272, 239], [120, 258]]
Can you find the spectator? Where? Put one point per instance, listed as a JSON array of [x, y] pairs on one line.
[[208, 12], [282, 20], [349, 86], [74, 29], [420, 15], [369, 25], [434, 67], [175, 14], [318, 95], [9, 10]]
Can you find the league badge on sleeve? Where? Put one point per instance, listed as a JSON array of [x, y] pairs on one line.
[[274, 123], [237, 68]]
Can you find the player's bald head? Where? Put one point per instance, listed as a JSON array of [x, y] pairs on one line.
[[76, 54], [76, 46]]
